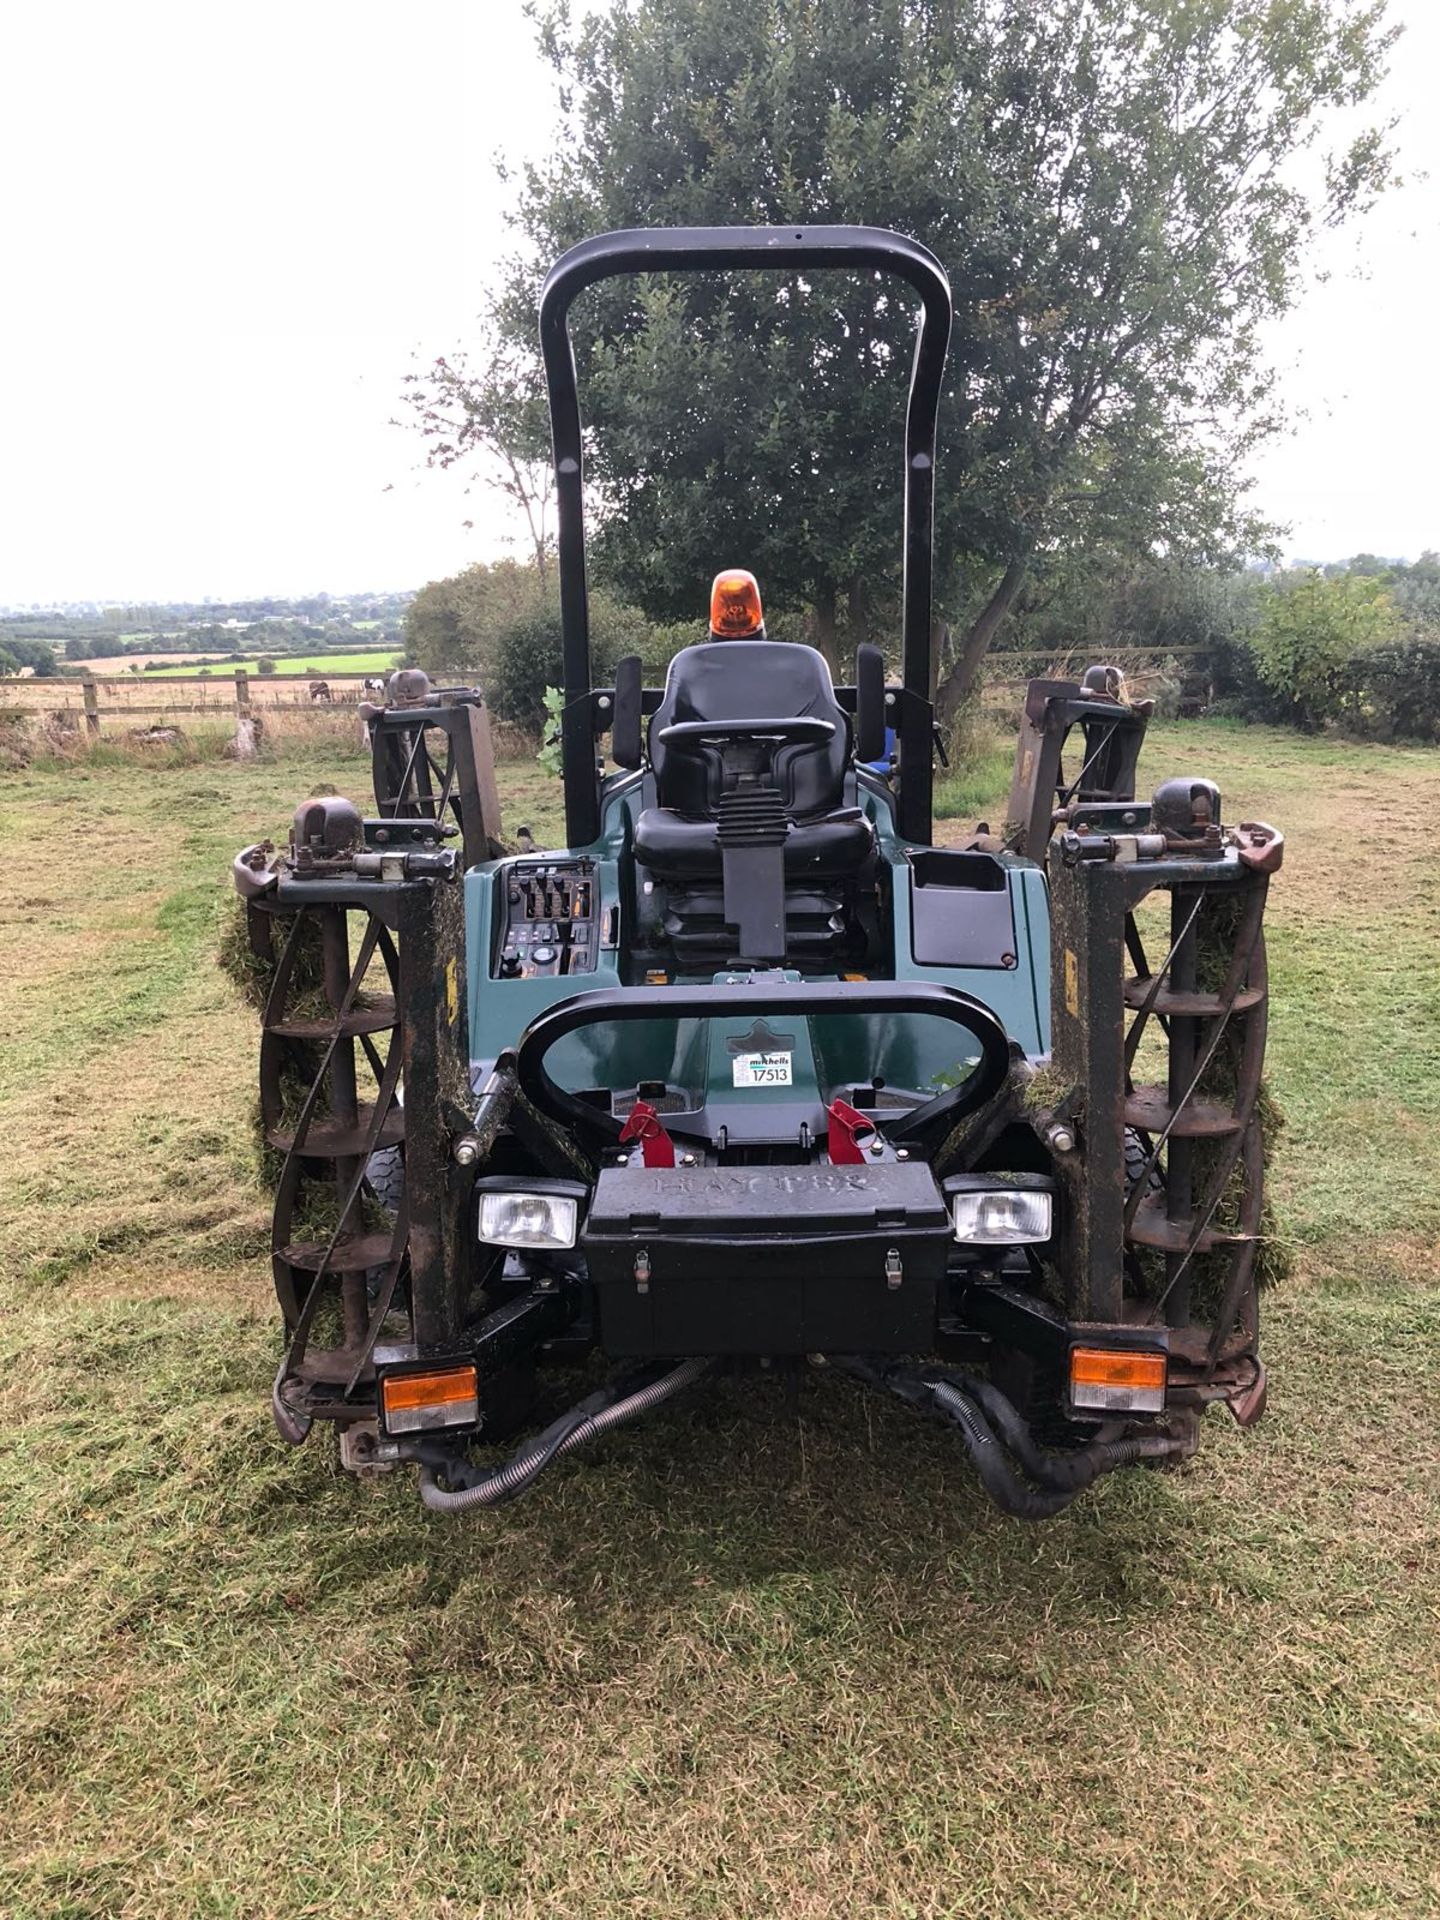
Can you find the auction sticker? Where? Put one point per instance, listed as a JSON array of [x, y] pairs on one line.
[[762, 1070]]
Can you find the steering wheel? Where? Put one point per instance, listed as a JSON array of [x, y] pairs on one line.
[[797, 732]]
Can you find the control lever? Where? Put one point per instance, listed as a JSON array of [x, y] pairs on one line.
[[643, 1123]]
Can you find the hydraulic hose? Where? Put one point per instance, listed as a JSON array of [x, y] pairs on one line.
[[587, 1421], [1066, 1477], [999, 1479], [972, 1404], [1077, 1469]]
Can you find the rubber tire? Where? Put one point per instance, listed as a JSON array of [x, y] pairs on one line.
[[1136, 1154], [385, 1171], [385, 1176]]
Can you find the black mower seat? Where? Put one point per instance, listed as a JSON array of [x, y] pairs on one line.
[[682, 849], [700, 781]]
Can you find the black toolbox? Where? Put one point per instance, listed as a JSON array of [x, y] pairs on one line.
[[754, 1260]]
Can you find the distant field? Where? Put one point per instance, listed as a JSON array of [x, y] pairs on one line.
[[122, 662], [376, 662]]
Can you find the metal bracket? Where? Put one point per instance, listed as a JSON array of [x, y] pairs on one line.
[[364, 1451]]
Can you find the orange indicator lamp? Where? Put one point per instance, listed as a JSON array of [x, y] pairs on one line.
[[420, 1402], [735, 612], [1117, 1380]]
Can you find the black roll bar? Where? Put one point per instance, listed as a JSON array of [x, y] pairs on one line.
[[691, 250]]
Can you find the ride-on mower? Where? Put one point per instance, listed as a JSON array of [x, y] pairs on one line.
[[751, 1073]]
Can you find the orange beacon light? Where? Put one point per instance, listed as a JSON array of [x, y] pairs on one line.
[[735, 612]]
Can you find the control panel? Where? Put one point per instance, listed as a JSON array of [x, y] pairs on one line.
[[551, 920]]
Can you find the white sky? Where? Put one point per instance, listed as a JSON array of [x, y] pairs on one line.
[[225, 232]]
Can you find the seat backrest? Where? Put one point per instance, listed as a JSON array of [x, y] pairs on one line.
[[749, 680]]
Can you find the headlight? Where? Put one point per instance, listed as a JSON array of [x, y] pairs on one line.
[[529, 1219], [1001, 1216]]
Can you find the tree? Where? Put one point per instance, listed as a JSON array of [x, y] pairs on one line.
[[1309, 633], [452, 626], [38, 655], [495, 418], [498, 624], [265, 634], [1416, 589], [1113, 185], [1097, 602], [526, 658]]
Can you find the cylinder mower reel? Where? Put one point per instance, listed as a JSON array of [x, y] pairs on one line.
[[749, 1073]]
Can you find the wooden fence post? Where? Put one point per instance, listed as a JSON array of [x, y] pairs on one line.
[[92, 704], [242, 694]]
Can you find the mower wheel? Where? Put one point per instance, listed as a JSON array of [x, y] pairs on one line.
[[385, 1171], [1136, 1154]]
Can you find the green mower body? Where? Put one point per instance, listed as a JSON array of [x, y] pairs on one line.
[[751, 1071]]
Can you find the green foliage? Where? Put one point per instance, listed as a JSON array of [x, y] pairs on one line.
[[1416, 590], [1087, 603], [499, 623], [549, 754], [38, 655], [1111, 183], [217, 639], [526, 657], [1394, 688], [265, 666], [1309, 631], [452, 626], [525, 661]]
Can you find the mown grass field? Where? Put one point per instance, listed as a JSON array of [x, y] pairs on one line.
[[750, 1659]]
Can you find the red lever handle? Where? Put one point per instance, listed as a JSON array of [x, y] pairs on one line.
[[643, 1123], [846, 1123]]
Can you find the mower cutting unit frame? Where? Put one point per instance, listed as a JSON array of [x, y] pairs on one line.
[[749, 1071]]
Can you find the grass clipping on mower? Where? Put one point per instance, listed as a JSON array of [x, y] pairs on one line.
[[253, 975], [252, 972], [1216, 934]]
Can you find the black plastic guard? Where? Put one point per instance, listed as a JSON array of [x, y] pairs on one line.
[[767, 1260]]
